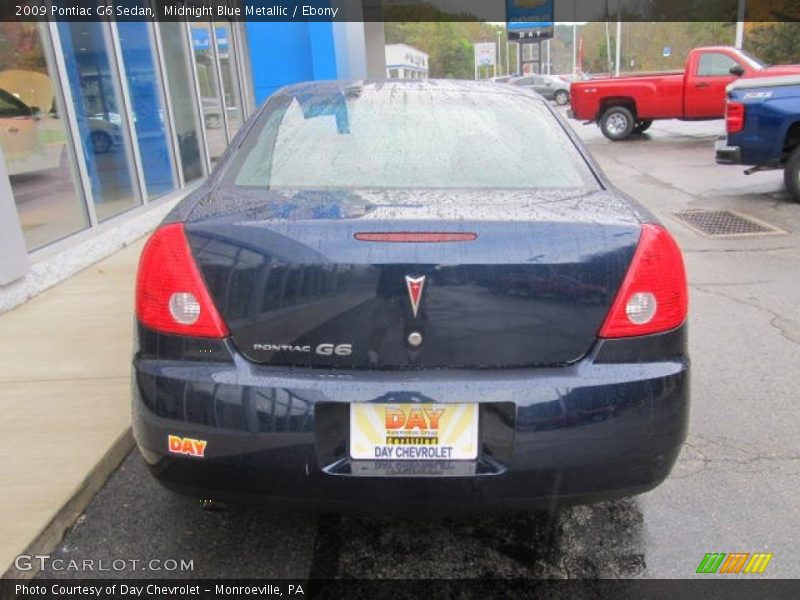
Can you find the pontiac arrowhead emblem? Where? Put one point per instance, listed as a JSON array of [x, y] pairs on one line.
[[415, 285]]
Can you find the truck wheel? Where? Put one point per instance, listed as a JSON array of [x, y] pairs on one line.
[[791, 174], [617, 123], [562, 97], [642, 126]]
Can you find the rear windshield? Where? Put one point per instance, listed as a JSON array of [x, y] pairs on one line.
[[396, 137]]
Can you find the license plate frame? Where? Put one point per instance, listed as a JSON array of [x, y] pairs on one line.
[[395, 432]]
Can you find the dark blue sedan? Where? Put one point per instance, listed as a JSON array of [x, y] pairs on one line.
[[410, 296]]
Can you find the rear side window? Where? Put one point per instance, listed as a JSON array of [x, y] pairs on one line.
[[715, 64], [393, 136]]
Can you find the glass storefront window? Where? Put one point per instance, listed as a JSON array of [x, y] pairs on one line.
[[147, 105], [230, 76], [185, 113], [218, 79], [34, 139], [94, 83], [210, 89]]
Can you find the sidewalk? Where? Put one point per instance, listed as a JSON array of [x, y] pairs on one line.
[[64, 394]]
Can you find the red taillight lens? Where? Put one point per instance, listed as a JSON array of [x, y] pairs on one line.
[[734, 117], [653, 296], [171, 296]]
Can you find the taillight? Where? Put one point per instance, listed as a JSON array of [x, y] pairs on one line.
[[171, 296], [734, 117], [653, 296]]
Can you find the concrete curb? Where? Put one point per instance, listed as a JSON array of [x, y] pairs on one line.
[[52, 533]]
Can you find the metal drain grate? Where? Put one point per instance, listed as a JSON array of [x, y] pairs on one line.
[[725, 223]]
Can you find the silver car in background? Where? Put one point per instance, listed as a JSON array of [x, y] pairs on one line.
[[551, 87]]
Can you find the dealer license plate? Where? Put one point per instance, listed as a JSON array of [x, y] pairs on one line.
[[414, 431]]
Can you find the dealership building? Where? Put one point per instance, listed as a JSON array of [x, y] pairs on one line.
[[406, 62], [103, 125]]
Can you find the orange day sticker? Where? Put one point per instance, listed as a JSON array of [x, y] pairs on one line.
[[187, 446]]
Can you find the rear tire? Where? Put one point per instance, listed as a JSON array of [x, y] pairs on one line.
[[791, 174], [642, 126], [617, 123], [562, 98]]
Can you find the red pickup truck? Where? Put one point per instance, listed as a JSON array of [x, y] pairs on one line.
[[626, 105]]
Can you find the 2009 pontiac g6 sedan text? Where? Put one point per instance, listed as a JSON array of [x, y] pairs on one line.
[[406, 295]]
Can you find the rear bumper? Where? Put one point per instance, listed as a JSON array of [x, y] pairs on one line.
[[606, 427], [727, 155]]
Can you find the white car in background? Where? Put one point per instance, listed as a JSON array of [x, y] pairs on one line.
[[27, 141], [105, 132], [34, 141]]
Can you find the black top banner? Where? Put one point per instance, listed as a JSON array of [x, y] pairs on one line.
[[502, 11]]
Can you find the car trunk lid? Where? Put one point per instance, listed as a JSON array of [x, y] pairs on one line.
[[526, 281]]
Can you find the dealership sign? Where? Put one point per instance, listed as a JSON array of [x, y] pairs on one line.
[[529, 20], [485, 54]]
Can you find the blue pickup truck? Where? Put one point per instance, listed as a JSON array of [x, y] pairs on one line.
[[762, 118]]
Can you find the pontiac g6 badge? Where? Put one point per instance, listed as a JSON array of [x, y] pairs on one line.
[[415, 285]]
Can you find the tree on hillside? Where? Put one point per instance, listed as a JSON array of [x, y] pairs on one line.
[[643, 44], [774, 43], [449, 45]]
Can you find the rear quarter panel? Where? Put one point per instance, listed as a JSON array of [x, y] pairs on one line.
[[767, 123]]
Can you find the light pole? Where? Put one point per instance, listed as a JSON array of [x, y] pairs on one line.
[[497, 61], [740, 16], [508, 58]]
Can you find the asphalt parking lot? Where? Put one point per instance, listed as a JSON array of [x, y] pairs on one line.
[[732, 490]]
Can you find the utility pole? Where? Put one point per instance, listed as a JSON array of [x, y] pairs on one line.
[[548, 56], [740, 17], [574, 49]]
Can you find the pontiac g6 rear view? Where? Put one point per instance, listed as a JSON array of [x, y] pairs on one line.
[[410, 295]]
